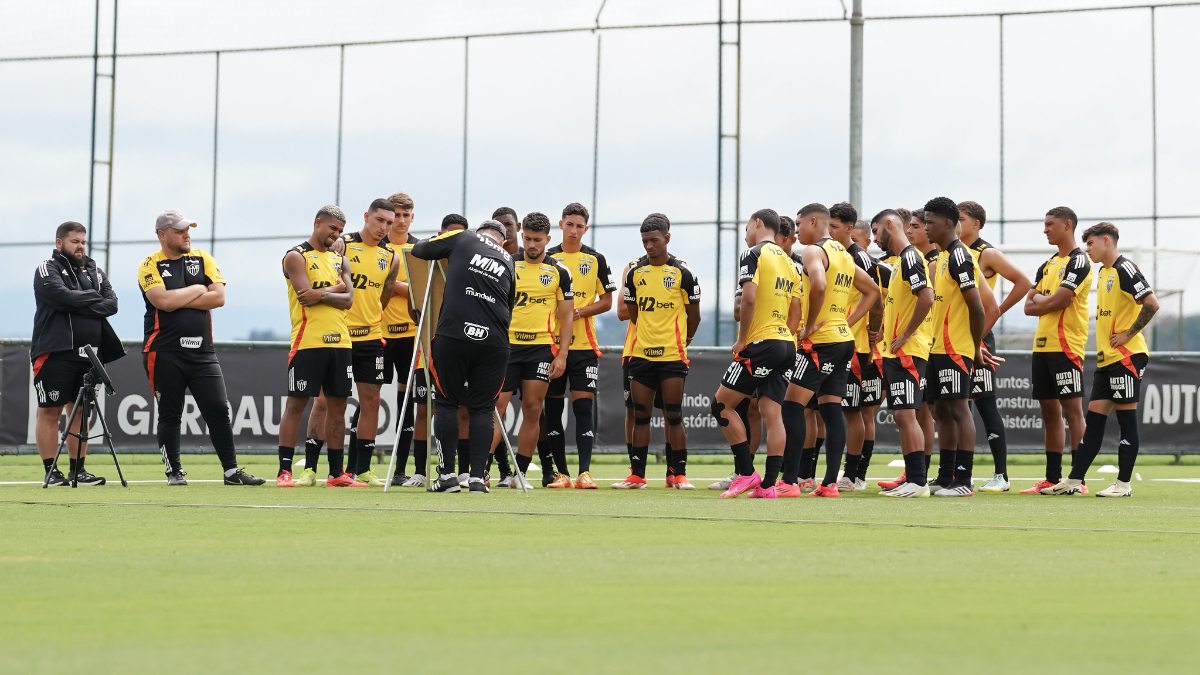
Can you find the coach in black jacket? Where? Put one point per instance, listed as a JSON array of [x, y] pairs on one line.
[[74, 301]]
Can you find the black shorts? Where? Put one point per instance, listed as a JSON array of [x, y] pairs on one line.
[[1056, 376], [368, 361], [467, 373], [57, 378], [1118, 382], [950, 377], [872, 381], [527, 362], [397, 358], [317, 370], [823, 368], [583, 367], [653, 373], [906, 382], [761, 366]]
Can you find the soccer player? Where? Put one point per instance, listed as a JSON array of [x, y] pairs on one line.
[[1125, 304], [319, 362], [957, 336], [906, 337], [826, 347], [507, 217], [663, 298], [1059, 299], [994, 265], [541, 325], [592, 285], [762, 353], [74, 300], [843, 218], [180, 285], [373, 271], [470, 347]]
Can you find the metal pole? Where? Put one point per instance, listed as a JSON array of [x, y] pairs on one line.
[[737, 158], [1002, 129], [212, 244], [856, 104], [466, 99], [1154, 171], [720, 142], [112, 117], [92, 153], [596, 123], [337, 191]]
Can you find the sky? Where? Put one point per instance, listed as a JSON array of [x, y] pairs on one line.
[[1077, 113]]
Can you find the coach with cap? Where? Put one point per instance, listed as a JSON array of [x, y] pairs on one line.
[[74, 300], [180, 286]]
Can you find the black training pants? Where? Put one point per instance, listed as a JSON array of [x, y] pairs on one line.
[[471, 374], [173, 373]]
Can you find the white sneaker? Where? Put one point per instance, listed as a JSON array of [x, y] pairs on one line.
[[808, 484], [507, 481], [907, 490], [464, 480], [1065, 486], [1117, 489], [518, 482], [860, 484], [417, 480], [998, 483], [956, 489], [845, 484], [723, 484]]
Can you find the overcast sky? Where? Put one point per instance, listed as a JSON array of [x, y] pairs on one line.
[[1077, 114]]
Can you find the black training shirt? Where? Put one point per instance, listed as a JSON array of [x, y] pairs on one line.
[[480, 286]]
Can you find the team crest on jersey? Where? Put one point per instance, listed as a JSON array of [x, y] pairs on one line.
[[382, 263], [193, 267], [668, 283], [545, 279], [1110, 282], [584, 267]]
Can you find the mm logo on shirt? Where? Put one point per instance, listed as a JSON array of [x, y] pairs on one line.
[[191, 342], [331, 338], [489, 265], [654, 351], [474, 330], [782, 284]]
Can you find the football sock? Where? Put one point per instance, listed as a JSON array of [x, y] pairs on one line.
[[1053, 466], [312, 453], [771, 474], [794, 428], [352, 446], [835, 434], [545, 456], [808, 463], [1089, 447], [964, 464], [48, 463], [914, 468], [555, 434], [852, 462], [743, 461], [1127, 451], [994, 425], [637, 461], [523, 463], [335, 456], [501, 455], [680, 462], [669, 453], [945, 466], [928, 461], [812, 471], [743, 412], [463, 450], [585, 436], [366, 452], [867, 451], [80, 461], [420, 456], [285, 460], [74, 464]]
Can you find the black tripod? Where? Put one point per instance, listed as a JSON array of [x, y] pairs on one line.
[[85, 402]]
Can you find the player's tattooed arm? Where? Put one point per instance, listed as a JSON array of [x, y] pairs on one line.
[[1149, 309]]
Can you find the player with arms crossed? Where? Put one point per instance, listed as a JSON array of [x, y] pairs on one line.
[[1059, 299], [1125, 304], [764, 350], [319, 362], [541, 325], [663, 299]]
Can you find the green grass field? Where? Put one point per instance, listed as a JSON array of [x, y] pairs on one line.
[[406, 587]]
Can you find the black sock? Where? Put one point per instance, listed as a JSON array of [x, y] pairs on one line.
[[867, 451], [808, 463], [74, 464], [771, 474], [555, 434], [463, 450], [585, 436], [523, 463], [835, 434], [407, 426], [366, 452], [1053, 467], [1089, 447], [285, 460], [851, 471], [816, 457], [1127, 451], [637, 461], [420, 456], [79, 462], [501, 455], [743, 461], [964, 464], [312, 453], [794, 427], [335, 457], [993, 424], [352, 446], [928, 462], [546, 457], [945, 466], [743, 412], [669, 454], [48, 463], [680, 462], [915, 469]]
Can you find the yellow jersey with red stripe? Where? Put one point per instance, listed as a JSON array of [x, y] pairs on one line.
[[774, 273], [907, 279], [1065, 330], [955, 271], [590, 279], [369, 269], [661, 294], [1120, 290], [977, 248], [318, 325], [864, 261], [839, 282], [889, 262], [397, 316], [539, 288]]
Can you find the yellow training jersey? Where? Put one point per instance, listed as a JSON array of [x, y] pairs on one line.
[[1066, 330], [839, 281], [888, 264], [661, 294], [590, 279], [955, 271], [1120, 290], [977, 248], [397, 317], [369, 269], [319, 325], [539, 288], [864, 261], [907, 279], [630, 327], [772, 270]]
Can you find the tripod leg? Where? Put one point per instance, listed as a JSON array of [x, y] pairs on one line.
[[511, 455], [111, 450], [62, 442]]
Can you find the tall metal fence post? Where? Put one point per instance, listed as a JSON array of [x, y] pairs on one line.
[[856, 105], [212, 245], [466, 100], [337, 191]]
